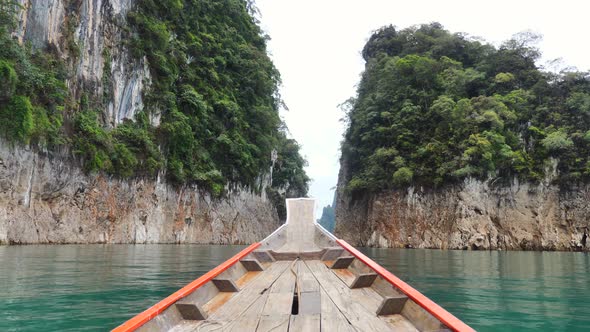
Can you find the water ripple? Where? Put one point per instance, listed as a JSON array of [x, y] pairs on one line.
[[97, 287], [500, 291]]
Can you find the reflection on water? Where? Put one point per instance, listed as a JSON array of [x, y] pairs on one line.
[[500, 291], [97, 287]]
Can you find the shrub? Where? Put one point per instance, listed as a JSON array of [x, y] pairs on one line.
[[8, 80], [557, 141], [403, 177], [17, 119]]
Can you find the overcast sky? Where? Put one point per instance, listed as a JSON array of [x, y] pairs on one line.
[[316, 46]]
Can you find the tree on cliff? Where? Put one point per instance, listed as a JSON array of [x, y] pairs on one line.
[[434, 107], [213, 87]]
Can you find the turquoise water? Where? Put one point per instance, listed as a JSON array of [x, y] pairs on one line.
[[500, 290], [97, 287]]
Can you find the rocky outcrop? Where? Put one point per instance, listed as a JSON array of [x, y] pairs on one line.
[[90, 36], [46, 199], [472, 215]]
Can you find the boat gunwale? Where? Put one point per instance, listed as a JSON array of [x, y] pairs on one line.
[[427, 304], [147, 315]]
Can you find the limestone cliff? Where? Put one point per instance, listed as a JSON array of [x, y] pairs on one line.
[[46, 199], [471, 215], [89, 36]]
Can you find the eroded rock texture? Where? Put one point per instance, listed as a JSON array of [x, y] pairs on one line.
[[472, 215], [48, 200]]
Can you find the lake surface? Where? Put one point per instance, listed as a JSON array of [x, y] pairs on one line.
[[97, 287]]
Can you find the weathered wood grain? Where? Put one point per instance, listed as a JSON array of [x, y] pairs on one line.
[[225, 285], [238, 305], [304, 323], [278, 323], [331, 317], [305, 279], [392, 305], [332, 253], [355, 304], [252, 264], [399, 323], [300, 232], [190, 311], [420, 318], [363, 280], [342, 262]]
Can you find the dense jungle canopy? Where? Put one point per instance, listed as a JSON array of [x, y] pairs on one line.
[[434, 107], [212, 84]]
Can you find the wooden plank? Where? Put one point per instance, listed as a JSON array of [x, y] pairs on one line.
[[310, 303], [331, 317], [278, 323], [384, 288], [305, 279], [280, 299], [277, 304], [252, 264], [217, 302], [421, 318], [238, 305], [250, 294], [190, 311], [276, 313], [246, 278], [137, 321], [369, 297], [399, 323], [286, 281], [302, 323], [263, 256], [300, 232], [363, 280], [355, 304], [342, 262], [332, 253], [233, 273], [226, 285], [248, 322], [392, 305], [276, 239], [292, 255], [345, 275], [309, 293]]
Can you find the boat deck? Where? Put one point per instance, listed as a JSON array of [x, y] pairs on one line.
[[296, 296], [299, 278]]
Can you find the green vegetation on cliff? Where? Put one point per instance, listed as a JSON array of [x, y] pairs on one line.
[[213, 87], [434, 107], [32, 88]]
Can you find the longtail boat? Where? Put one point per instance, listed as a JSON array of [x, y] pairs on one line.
[[300, 278]]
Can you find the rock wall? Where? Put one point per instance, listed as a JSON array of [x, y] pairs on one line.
[[45, 199], [90, 36], [472, 215]]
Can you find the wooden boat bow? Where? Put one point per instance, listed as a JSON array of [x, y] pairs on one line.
[[300, 278]]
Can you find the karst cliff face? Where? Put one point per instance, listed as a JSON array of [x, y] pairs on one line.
[[50, 200], [46, 198], [473, 215], [88, 35]]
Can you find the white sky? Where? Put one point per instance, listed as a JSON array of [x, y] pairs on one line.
[[316, 46]]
